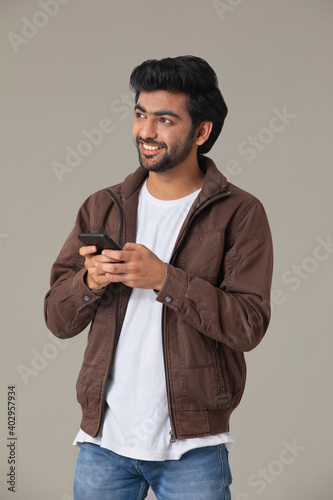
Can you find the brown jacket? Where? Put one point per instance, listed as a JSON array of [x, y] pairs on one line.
[[215, 301]]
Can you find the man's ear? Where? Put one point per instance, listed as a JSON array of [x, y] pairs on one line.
[[202, 132]]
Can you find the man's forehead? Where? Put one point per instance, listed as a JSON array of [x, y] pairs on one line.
[[158, 100]]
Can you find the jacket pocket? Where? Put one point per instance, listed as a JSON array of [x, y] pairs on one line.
[[88, 386], [223, 398]]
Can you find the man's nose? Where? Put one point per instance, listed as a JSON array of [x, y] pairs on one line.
[[148, 130]]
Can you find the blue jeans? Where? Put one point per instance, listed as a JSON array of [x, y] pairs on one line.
[[200, 474]]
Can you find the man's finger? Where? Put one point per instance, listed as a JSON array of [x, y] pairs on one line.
[[117, 255], [86, 251], [115, 278], [110, 268]]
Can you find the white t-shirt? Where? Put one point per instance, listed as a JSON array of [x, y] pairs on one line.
[[137, 423]]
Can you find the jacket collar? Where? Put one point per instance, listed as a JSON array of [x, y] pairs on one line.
[[214, 183]]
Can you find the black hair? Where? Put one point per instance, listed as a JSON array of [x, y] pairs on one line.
[[192, 76]]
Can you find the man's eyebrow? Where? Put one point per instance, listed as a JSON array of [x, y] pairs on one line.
[[162, 112]]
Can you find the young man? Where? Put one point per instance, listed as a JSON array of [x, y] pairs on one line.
[[172, 312]]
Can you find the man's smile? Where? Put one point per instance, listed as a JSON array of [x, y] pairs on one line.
[[149, 149]]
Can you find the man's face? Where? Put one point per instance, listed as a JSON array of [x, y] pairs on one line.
[[162, 130]]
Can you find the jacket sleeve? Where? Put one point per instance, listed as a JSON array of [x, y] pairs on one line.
[[237, 312], [69, 304]]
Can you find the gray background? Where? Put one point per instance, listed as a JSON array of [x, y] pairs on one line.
[[67, 75]]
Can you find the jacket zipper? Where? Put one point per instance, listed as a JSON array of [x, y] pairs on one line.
[[121, 243], [207, 202], [172, 437], [172, 430]]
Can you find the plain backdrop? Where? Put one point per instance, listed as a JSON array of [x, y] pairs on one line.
[[65, 67]]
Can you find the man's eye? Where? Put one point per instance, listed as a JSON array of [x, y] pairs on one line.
[[139, 115], [165, 120]]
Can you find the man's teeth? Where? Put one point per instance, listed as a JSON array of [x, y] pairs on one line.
[[150, 147]]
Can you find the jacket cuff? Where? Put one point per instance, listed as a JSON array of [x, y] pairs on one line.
[[174, 288], [82, 293]]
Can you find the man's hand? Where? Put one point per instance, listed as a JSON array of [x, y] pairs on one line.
[[96, 278], [135, 266]]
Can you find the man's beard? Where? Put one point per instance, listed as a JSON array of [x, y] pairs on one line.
[[170, 159]]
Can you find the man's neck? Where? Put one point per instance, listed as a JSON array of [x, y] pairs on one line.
[[176, 183]]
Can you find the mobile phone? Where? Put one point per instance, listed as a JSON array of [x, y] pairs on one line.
[[99, 240]]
